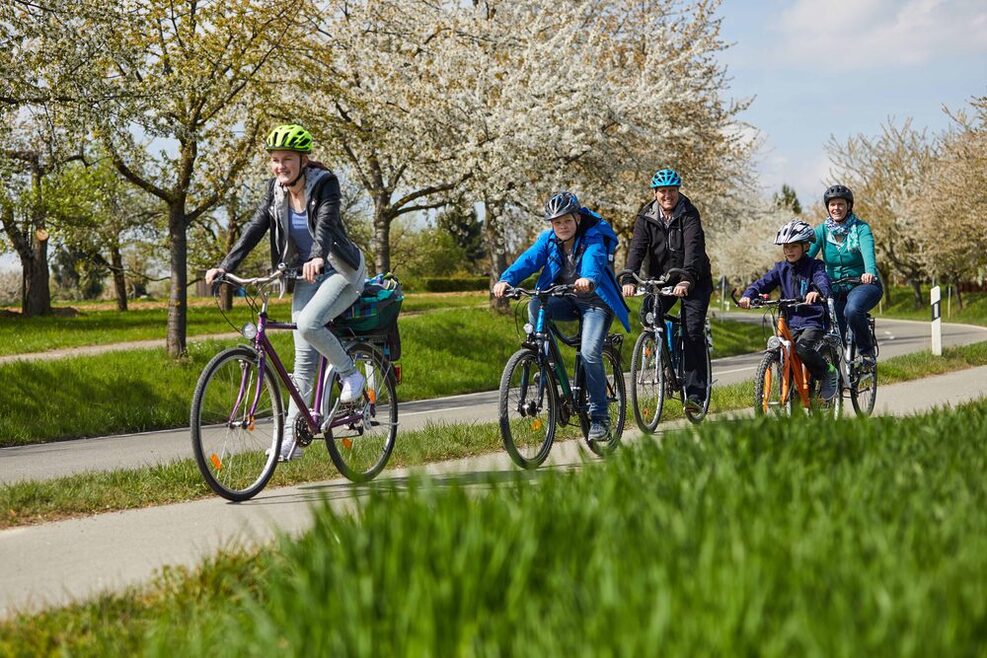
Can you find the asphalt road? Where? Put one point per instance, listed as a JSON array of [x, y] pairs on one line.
[[63, 458], [58, 563]]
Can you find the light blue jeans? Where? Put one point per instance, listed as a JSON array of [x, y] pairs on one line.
[[312, 306], [596, 321]]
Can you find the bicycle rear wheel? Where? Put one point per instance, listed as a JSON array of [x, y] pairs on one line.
[[616, 405], [863, 384], [361, 447], [528, 409], [237, 423], [647, 382], [767, 387]]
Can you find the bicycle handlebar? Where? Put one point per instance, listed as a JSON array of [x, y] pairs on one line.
[[847, 279], [560, 290], [659, 285], [760, 302]]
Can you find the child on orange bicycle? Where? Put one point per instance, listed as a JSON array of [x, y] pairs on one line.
[[801, 277]]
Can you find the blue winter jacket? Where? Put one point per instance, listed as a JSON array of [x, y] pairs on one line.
[[592, 262], [797, 280]]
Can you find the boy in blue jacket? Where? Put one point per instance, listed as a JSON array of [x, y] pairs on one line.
[[576, 251], [801, 277]]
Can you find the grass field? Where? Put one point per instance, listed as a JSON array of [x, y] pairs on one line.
[[444, 352], [761, 538]]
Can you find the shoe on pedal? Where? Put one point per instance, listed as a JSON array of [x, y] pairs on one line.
[[829, 384], [352, 387], [693, 404], [599, 430], [289, 451]]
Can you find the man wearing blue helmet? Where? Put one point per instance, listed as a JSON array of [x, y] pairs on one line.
[[576, 250], [668, 233]]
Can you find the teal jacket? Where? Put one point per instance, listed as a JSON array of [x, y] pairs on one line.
[[852, 257]]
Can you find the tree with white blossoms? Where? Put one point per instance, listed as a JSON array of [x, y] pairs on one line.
[[886, 175], [175, 93], [954, 200]]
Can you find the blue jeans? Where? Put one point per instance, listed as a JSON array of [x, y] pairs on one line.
[[852, 307], [596, 319], [312, 306]]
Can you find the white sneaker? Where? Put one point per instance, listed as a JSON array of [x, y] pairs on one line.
[[352, 387], [289, 450]]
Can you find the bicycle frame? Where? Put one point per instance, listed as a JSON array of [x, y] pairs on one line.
[[266, 351], [792, 367], [548, 350]]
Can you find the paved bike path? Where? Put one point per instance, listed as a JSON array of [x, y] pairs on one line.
[[63, 458], [57, 563]]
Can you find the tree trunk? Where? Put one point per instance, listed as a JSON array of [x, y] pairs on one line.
[[178, 298], [119, 278], [916, 291], [37, 295], [382, 236], [495, 247]]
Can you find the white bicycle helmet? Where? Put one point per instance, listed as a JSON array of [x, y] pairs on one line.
[[795, 231]]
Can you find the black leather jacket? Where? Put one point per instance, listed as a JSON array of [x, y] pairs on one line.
[[329, 235], [680, 244]]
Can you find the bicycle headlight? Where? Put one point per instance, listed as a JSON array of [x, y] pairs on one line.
[[650, 317], [774, 343], [249, 331], [528, 328]]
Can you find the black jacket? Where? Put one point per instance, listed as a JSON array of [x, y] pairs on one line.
[[329, 235], [682, 244]]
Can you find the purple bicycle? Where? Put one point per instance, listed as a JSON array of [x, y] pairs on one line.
[[238, 416]]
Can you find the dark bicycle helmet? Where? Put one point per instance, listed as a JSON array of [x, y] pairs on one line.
[[839, 192], [560, 204], [289, 137], [795, 231], [666, 178]]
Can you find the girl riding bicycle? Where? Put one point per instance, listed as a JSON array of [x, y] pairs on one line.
[[846, 245], [576, 251], [301, 211], [801, 277]]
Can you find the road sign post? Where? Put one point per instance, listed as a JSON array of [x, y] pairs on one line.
[[937, 321]]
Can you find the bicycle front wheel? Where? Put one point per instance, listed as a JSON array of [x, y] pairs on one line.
[[647, 382], [237, 423], [528, 409], [616, 405], [863, 384], [361, 447], [768, 387]]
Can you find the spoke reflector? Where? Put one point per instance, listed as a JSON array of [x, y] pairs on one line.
[[347, 443], [214, 458]]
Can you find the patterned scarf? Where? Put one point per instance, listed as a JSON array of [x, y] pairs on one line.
[[842, 230]]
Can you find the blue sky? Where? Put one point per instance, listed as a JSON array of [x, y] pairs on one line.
[[844, 67]]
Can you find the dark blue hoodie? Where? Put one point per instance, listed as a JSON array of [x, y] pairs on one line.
[[797, 280]]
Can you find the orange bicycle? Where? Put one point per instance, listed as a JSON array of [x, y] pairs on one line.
[[781, 377]]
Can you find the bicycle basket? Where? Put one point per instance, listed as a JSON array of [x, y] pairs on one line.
[[376, 310]]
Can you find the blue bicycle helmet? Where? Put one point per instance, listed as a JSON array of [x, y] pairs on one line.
[[560, 204], [666, 178]]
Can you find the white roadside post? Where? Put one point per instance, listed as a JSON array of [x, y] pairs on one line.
[[936, 321]]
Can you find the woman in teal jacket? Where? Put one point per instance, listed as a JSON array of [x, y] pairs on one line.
[[847, 247], [577, 250]]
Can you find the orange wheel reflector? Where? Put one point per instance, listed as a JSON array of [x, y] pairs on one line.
[[347, 443], [536, 424], [252, 423], [372, 394], [214, 458]]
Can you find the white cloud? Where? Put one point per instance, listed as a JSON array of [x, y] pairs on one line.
[[862, 34]]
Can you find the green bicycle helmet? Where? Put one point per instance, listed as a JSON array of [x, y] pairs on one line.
[[289, 137]]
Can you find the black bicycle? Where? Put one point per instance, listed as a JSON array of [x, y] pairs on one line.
[[861, 373], [537, 397], [658, 363]]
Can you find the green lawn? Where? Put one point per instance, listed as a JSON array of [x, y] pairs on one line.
[[90, 493], [445, 351], [806, 537]]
